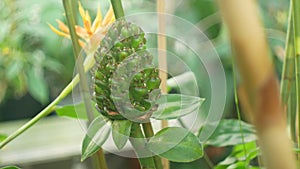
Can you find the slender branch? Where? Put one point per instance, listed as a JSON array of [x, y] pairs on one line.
[[101, 159], [288, 93], [138, 142], [287, 77], [296, 18], [118, 8], [70, 15], [148, 130], [236, 100], [49, 109], [84, 88], [208, 161], [292, 113]]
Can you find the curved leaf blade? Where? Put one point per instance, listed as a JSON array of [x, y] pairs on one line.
[[173, 106], [176, 144], [96, 136], [121, 132], [228, 133]]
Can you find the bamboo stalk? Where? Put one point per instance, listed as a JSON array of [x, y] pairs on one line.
[[259, 79], [162, 60]]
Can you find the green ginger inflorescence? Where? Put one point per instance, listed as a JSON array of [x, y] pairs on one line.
[[123, 41]]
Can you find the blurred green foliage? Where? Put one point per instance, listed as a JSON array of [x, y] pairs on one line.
[[32, 58]]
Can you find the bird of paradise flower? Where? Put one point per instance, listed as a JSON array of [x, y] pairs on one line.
[[90, 31]]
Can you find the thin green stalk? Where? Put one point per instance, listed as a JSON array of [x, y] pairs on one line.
[[296, 19], [291, 111], [287, 91], [208, 161], [49, 109], [70, 15], [236, 100], [118, 8], [84, 88], [138, 141], [288, 71], [148, 130], [101, 159]]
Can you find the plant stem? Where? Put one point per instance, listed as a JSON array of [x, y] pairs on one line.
[[289, 63], [208, 161], [148, 130], [138, 142], [84, 88], [296, 17], [236, 99], [291, 111], [50, 108], [288, 79], [101, 159], [118, 8], [70, 15]]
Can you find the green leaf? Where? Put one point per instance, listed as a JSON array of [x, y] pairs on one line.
[[242, 153], [10, 167], [176, 144], [13, 69], [2, 137], [172, 106], [229, 133], [121, 132], [96, 136], [74, 111], [37, 86]]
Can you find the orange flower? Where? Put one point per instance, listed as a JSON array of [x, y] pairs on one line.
[[89, 29]]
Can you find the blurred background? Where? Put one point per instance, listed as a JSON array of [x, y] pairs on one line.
[[36, 64]]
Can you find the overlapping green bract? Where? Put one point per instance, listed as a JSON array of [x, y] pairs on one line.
[[123, 40]]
